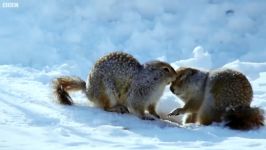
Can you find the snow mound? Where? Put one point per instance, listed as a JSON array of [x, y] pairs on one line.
[[249, 68], [201, 59], [79, 32]]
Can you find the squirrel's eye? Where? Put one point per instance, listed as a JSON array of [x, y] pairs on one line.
[[166, 69]]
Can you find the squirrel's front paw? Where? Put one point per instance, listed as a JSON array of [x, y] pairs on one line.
[[176, 112], [148, 117]]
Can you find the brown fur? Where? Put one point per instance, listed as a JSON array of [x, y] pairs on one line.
[[63, 84], [191, 118], [244, 118], [215, 96], [152, 111]]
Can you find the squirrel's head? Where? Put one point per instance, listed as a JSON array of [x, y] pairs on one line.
[[188, 81], [162, 71]]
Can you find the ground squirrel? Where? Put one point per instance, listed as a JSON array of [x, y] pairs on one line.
[[119, 83], [215, 96]]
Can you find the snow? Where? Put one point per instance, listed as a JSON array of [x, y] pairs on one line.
[[200, 59], [79, 32], [30, 119], [250, 68], [42, 40]]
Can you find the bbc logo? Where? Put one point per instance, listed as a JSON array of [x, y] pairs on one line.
[[10, 5]]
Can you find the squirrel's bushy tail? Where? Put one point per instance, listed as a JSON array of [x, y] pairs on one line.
[[62, 85], [244, 118]]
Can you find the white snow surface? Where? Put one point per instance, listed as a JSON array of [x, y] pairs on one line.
[[42, 40], [30, 119]]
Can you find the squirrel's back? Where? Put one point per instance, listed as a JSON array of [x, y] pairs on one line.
[[116, 64], [229, 88]]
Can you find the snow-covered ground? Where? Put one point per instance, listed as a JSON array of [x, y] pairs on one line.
[[41, 40], [31, 120]]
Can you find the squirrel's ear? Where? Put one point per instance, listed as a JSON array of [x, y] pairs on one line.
[[186, 72]]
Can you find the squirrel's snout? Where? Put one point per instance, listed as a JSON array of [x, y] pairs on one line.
[[171, 89]]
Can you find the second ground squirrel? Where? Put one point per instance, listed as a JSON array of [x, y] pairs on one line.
[[119, 83], [215, 96]]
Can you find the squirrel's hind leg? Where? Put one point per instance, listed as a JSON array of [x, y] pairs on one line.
[[111, 91]]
